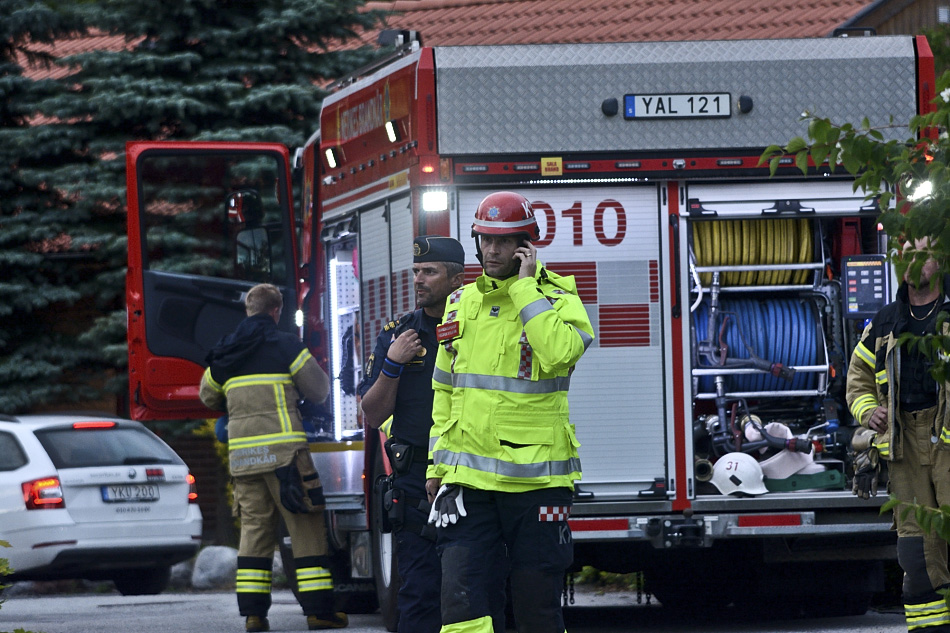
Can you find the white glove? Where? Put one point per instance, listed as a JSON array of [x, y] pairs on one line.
[[448, 506]]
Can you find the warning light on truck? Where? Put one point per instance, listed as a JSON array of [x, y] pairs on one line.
[[435, 201], [392, 132]]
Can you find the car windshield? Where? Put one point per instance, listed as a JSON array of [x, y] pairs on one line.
[[115, 446]]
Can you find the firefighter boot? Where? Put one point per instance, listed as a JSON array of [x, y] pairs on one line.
[[256, 624], [336, 620]]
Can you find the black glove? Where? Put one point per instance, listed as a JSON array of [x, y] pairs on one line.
[[291, 489], [866, 463], [867, 467]]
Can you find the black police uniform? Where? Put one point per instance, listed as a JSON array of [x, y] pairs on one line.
[[417, 560]]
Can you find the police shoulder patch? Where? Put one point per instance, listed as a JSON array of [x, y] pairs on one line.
[[390, 325]]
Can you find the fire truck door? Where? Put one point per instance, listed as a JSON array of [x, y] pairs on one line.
[[207, 221]]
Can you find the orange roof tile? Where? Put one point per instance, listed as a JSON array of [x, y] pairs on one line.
[[74, 46], [461, 22], [465, 22]]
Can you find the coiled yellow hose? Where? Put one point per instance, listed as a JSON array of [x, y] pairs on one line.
[[754, 243]]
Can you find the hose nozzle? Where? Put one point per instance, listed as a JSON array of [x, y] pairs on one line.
[[702, 469]]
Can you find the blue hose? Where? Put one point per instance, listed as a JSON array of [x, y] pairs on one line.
[[778, 330]]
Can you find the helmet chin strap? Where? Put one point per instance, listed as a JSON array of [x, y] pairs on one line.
[[478, 248], [478, 245]]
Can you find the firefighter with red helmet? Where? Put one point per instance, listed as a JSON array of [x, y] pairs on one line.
[[503, 450]]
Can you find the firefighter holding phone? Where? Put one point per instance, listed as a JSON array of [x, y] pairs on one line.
[[504, 454]]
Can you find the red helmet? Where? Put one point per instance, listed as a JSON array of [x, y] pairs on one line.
[[506, 213]]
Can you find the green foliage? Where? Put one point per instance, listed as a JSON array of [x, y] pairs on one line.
[[892, 172], [5, 570], [933, 520], [39, 244], [609, 581], [206, 429], [190, 70], [939, 39]]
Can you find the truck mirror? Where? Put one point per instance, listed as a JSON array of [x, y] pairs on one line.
[[244, 207], [252, 254]]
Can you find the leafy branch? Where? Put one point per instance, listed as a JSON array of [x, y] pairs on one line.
[[931, 520], [910, 179]]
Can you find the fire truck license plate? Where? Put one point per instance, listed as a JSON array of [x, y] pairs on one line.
[[674, 106], [129, 493]]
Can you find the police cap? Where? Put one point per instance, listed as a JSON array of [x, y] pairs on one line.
[[437, 248]]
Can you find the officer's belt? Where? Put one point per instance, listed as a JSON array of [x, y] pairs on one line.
[[419, 504], [420, 454]]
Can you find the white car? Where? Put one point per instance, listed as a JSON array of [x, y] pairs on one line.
[[96, 497]]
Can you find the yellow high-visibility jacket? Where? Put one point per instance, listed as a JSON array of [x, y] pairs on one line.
[[500, 412]]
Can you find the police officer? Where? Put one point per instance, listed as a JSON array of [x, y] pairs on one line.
[[258, 373], [398, 383], [503, 449], [903, 413]]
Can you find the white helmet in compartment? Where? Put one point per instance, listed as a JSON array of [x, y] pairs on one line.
[[738, 474]]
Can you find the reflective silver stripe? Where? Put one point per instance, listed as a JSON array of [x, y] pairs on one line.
[[252, 380], [534, 308], [442, 377], [507, 469], [302, 358], [280, 401], [506, 225], [269, 439], [500, 383], [585, 337], [212, 382]]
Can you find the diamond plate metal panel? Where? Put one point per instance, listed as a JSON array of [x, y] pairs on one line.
[[547, 99]]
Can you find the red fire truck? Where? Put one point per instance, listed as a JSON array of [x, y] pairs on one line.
[[725, 302]]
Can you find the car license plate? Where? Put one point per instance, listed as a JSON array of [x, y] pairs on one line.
[[674, 106], [129, 493]]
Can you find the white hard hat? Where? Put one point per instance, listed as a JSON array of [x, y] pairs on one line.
[[738, 473]]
